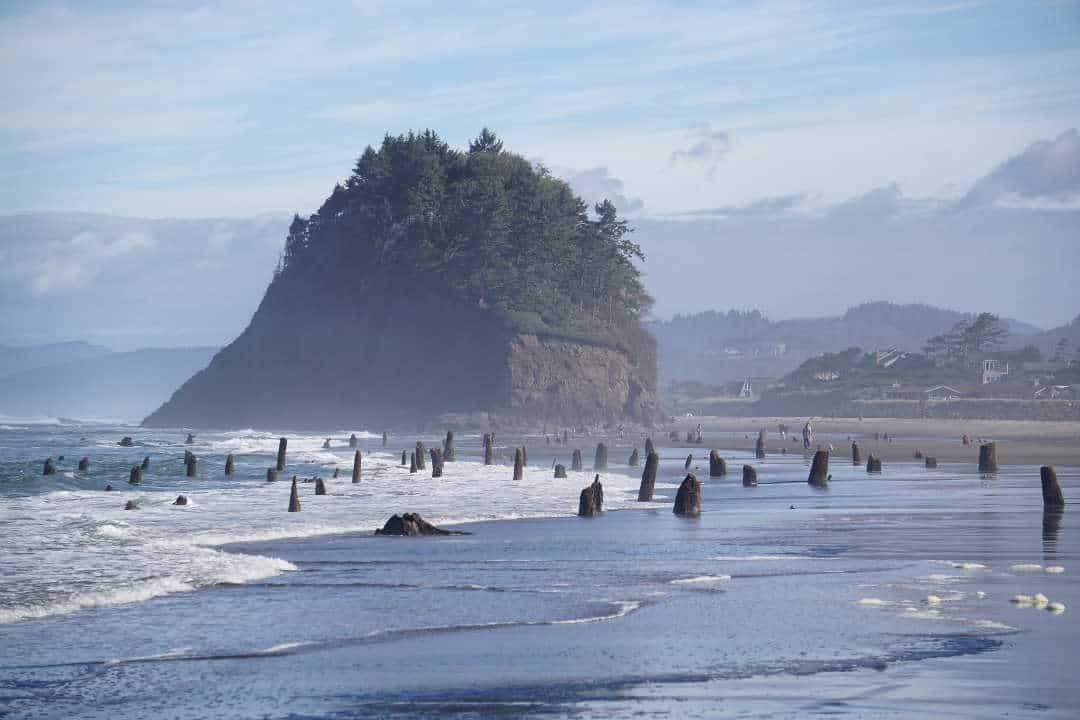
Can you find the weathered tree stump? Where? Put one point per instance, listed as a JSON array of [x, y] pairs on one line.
[[294, 497], [519, 465], [320, 486], [988, 458], [412, 525], [230, 464], [127, 442], [649, 446], [404, 458], [489, 449], [560, 471], [856, 456], [759, 446], [50, 468], [108, 488], [325, 445], [271, 474], [135, 476], [873, 464], [717, 466], [591, 503], [192, 465], [689, 436], [131, 505], [353, 441], [689, 461], [282, 444], [180, 500], [749, 476], [918, 454], [673, 436], [357, 460], [565, 437], [965, 440], [449, 454], [648, 478], [819, 469], [575, 459], [421, 464], [385, 438], [688, 498], [524, 456], [1051, 490], [84, 464], [436, 462], [337, 473], [600, 461], [146, 463], [412, 462], [634, 461], [930, 462]]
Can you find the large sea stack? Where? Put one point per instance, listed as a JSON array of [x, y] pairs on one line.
[[432, 269]]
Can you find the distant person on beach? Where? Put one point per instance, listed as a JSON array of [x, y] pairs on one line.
[[807, 435]]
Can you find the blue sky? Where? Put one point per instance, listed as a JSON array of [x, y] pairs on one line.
[[235, 108]]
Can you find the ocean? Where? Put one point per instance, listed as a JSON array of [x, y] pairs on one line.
[[886, 595]]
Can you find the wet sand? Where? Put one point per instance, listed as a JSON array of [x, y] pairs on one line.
[[1027, 442]]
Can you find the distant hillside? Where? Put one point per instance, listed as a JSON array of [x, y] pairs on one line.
[[15, 359], [717, 347], [123, 386]]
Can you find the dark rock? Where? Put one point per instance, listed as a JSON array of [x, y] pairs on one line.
[[50, 468], [749, 476], [988, 458], [560, 471], [575, 459], [436, 462], [320, 486], [180, 500], [688, 498], [717, 466], [84, 464], [358, 459], [230, 464], [648, 478], [294, 497], [412, 525], [1051, 490], [131, 505], [519, 465], [873, 464], [449, 454], [600, 461], [325, 445], [856, 456], [634, 461], [125, 441], [271, 475], [283, 443], [135, 476], [819, 469], [930, 462], [591, 503], [108, 488]]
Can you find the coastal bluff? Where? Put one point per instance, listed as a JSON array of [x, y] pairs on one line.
[[358, 326]]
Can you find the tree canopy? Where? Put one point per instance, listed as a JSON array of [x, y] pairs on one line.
[[500, 231]]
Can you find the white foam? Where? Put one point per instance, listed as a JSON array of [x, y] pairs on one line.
[[1026, 567], [932, 600], [112, 531], [625, 608], [1056, 607], [701, 579], [873, 601], [1054, 569], [737, 558]]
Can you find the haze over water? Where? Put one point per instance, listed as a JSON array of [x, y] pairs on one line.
[[884, 595]]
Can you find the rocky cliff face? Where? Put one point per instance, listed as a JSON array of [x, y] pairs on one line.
[[399, 351]]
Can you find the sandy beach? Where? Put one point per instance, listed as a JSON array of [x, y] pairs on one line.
[[1019, 441]]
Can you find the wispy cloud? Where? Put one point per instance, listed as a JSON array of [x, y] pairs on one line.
[[705, 148]]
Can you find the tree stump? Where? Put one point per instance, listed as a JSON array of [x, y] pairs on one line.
[[717, 466], [634, 461], [819, 470], [412, 462], [524, 456], [192, 465], [749, 476], [230, 464], [560, 471], [385, 438], [591, 503], [519, 464], [50, 468], [436, 462], [135, 476], [404, 459], [873, 464], [988, 458], [271, 474], [930, 462], [449, 453], [600, 461], [575, 459], [1051, 490], [689, 461], [320, 486], [856, 456], [648, 478], [84, 464], [421, 464], [294, 497], [759, 446], [282, 444], [146, 463], [688, 498], [649, 446], [353, 441], [180, 500]]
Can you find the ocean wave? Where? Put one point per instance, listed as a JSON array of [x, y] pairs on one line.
[[700, 579]]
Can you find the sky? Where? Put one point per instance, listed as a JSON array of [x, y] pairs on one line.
[[746, 123]]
